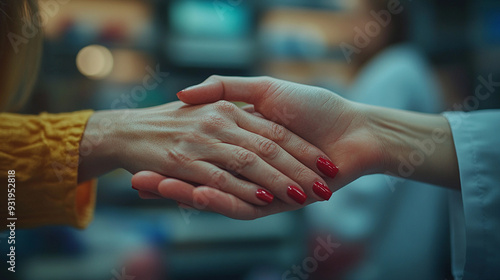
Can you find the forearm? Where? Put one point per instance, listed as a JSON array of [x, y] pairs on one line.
[[417, 146]]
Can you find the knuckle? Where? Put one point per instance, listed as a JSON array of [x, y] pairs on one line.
[[218, 179], [274, 178], [213, 123], [304, 150], [244, 158], [268, 148], [278, 133], [213, 78], [225, 106], [301, 174]]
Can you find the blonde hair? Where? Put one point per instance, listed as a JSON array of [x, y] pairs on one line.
[[19, 52]]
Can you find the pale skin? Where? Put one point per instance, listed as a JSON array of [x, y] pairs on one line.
[[360, 139], [205, 144]]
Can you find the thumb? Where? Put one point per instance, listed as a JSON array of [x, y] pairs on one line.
[[215, 88]]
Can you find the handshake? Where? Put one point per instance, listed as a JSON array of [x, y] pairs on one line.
[[291, 146]]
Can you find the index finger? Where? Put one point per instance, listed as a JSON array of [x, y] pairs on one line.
[[249, 90]]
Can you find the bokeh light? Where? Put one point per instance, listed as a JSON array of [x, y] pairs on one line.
[[95, 61]]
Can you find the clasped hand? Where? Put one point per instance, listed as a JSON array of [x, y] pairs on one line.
[[229, 155]]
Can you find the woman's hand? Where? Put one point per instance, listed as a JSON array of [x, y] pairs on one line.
[[215, 145], [333, 124]]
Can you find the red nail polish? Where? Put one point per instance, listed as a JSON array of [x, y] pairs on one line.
[[180, 92], [296, 194], [135, 188], [322, 191], [327, 167], [265, 196]]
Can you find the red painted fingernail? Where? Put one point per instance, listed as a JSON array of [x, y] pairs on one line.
[[296, 194], [322, 191], [265, 196], [135, 188], [180, 92], [327, 167]]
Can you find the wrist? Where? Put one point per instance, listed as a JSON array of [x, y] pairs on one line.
[[99, 145], [390, 135], [415, 146]]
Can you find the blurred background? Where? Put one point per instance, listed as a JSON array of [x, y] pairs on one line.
[[116, 54]]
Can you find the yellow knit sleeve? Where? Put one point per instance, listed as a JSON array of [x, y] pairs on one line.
[[43, 151]]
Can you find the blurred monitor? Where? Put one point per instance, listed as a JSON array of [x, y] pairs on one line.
[[211, 33], [210, 19]]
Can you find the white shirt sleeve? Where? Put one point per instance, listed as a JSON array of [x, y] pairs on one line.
[[475, 215]]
